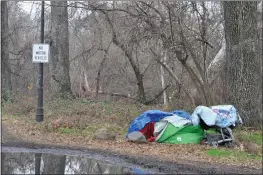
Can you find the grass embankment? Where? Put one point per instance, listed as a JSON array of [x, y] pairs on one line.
[[79, 119]]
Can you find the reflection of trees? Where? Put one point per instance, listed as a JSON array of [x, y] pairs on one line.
[[37, 163], [3, 163], [82, 165], [54, 164], [17, 163], [30, 163]]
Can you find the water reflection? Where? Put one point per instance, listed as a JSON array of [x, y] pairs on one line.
[[37, 163]]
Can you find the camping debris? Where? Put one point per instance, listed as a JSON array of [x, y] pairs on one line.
[[136, 137], [178, 127]]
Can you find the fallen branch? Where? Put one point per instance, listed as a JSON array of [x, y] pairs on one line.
[[118, 95]]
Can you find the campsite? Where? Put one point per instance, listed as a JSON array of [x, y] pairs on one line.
[[131, 87]]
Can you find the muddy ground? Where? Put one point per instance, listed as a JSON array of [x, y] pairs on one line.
[[146, 162]]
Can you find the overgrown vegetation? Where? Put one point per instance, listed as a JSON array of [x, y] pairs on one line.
[[249, 136]]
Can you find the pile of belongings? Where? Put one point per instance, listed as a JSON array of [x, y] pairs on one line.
[[179, 127], [221, 116]]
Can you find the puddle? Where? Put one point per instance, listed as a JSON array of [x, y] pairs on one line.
[[51, 161], [17, 160]]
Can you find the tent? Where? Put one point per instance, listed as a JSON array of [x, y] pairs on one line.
[[181, 135], [179, 127], [165, 127]]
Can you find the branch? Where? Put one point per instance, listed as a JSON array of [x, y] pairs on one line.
[[174, 76], [84, 52], [19, 52], [188, 46], [157, 96], [118, 95], [206, 42], [157, 11], [216, 65], [171, 26], [146, 69]]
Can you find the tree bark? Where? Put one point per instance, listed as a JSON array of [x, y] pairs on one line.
[[59, 62], [242, 60], [5, 65]]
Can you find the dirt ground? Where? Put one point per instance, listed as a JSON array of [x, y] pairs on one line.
[[138, 154]]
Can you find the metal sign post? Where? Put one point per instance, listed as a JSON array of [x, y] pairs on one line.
[[40, 110]]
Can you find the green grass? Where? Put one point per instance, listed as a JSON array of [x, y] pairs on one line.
[[249, 136], [65, 130], [232, 154]]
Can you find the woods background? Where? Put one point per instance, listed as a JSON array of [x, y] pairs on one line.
[[177, 53]]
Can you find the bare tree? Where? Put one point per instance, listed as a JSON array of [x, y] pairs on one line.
[[129, 54], [59, 65], [5, 65], [242, 58], [165, 102], [101, 65]]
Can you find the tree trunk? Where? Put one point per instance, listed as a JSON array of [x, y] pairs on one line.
[[217, 64], [5, 65], [141, 92], [86, 80], [129, 55], [99, 72], [104, 57], [162, 79], [38, 163], [174, 76], [242, 59], [200, 83], [3, 156], [59, 62], [138, 75]]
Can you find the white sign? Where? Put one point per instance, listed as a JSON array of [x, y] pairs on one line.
[[40, 53]]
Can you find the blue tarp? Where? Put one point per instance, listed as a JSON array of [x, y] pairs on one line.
[[153, 116], [182, 113]]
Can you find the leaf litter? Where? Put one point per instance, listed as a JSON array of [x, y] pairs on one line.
[[166, 152]]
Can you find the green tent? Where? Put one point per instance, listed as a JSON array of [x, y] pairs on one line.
[[180, 135]]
